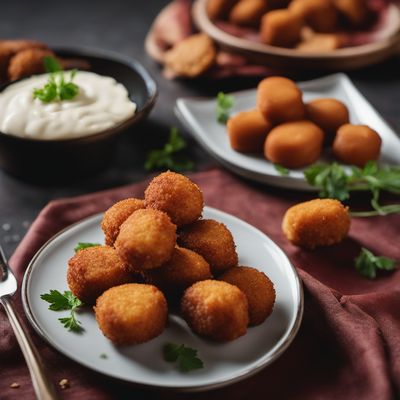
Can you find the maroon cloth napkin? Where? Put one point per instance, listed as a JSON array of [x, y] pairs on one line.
[[348, 346]]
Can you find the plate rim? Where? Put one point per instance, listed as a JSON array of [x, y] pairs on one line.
[[292, 331]]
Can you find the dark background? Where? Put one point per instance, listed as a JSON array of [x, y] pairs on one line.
[[121, 25]]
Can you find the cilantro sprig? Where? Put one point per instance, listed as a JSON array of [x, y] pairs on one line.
[[281, 170], [64, 301], [334, 181], [224, 105], [367, 264], [170, 156], [186, 357], [85, 245], [56, 88]]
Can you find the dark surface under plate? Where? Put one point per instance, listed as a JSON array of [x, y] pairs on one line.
[[121, 26]]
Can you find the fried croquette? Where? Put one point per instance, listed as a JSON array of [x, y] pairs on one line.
[[116, 215], [216, 310], [320, 43], [320, 15], [94, 270], [319, 222], [192, 56], [213, 241], [258, 289], [294, 144], [219, 9], [279, 100], [281, 28], [146, 239], [183, 270], [329, 115], [132, 313], [176, 195], [9, 48], [356, 144], [28, 62], [248, 12], [247, 131]]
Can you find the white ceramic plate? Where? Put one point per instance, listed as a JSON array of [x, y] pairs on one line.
[[144, 364], [198, 116]]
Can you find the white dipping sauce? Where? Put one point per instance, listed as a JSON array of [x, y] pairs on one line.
[[101, 103]]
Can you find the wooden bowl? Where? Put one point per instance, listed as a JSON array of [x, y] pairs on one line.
[[347, 58]]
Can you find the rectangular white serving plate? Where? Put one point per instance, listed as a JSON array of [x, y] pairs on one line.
[[198, 117]]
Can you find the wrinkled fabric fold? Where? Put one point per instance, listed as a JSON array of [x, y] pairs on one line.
[[348, 346]]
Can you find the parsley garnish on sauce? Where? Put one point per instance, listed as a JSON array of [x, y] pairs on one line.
[[170, 156], [367, 264], [186, 357], [85, 245], [64, 301], [334, 181], [224, 105], [57, 87]]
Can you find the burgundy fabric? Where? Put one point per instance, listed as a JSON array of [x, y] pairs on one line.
[[173, 24], [348, 346]]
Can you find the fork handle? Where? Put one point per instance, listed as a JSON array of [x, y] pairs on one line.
[[44, 388]]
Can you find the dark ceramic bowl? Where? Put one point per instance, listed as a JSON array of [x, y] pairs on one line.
[[51, 160]]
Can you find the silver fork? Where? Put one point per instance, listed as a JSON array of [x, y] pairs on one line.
[[44, 389]]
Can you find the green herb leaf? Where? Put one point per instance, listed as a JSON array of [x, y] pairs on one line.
[[104, 356], [65, 301], [85, 245], [224, 105], [71, 323], [170, 156], [56, 88], [334, 181], [367, 264], [282, 170], [186, 357], [51, 64]]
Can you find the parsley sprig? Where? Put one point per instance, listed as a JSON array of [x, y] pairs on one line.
[[170, 156], [56, 88], [224, 105], [281, 170], [85, 245], [334, 181], [367, 264], [64, 301], [186, 357]]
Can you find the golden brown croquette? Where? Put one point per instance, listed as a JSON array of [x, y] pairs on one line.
[[132, 313], [280, 100], [248, 12], [319, 222], [176, 195], [146, 239], [216, 310], [93, 270], [213, 241], [116, 215], [356, 144], [183, 269], [258, 289], [28, 62]]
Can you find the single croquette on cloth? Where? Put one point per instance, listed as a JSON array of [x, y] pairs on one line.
[[132, 313], [216, 310], [176, 195], [318, 222], [116, 215], [257, 287], [212, 240], [146, 239], [93, 270]]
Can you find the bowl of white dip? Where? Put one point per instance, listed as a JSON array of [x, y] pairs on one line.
[[48, 141]]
